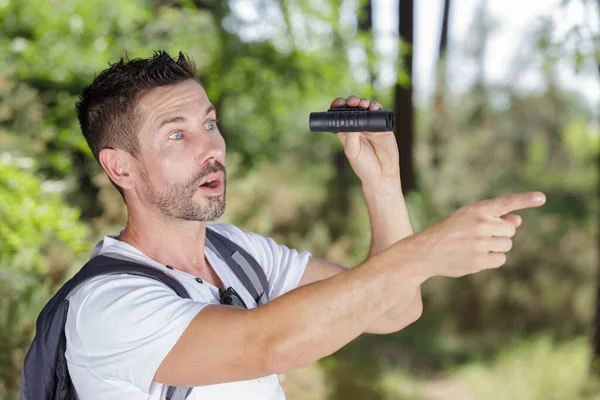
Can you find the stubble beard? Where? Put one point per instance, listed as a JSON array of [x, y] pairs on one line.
[[175, 201]]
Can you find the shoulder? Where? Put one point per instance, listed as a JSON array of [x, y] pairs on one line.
[[283, 266], [105, 309], [234, 233], [105, 289], [263, 248], [255, 244], [120, 328]]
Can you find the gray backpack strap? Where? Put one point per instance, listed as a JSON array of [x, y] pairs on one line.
[[177, 393], [245, 267]]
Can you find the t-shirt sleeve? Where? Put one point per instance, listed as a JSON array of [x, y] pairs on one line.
[[122, 327], [283, 266]]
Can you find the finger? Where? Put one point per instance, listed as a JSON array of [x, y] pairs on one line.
[[375, 105], [494, 260], [339, 102], [514, 219], [511, 202], [364, 103], [352, 101], [500, 244], [501, 228], [351, 143], [488, 227]]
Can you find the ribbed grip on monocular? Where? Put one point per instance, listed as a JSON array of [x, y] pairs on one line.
[[351, 120]]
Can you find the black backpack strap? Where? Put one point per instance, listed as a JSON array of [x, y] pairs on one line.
[[245, 267], [103, 265]]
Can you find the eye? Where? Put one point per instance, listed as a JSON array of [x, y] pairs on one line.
[[176, 135], [210, 125]]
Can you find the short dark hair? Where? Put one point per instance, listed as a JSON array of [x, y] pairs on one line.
[[107, 108]]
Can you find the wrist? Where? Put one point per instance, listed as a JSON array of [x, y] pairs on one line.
[[387, 188], [411, 268]]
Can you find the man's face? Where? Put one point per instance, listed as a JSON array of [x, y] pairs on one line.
[[182, 154]]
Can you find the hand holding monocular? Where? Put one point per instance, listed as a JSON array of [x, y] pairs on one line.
[[351, 119]]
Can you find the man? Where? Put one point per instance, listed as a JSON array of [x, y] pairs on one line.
[[153, 129]]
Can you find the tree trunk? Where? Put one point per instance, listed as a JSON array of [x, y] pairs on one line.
[[439, 103], [403, 97], [595, 367], [596, 336], [365, 25], [482, 28], [365, 18]]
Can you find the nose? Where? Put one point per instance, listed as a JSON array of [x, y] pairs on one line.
[[212, 149]]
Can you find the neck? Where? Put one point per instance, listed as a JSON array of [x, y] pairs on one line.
[[177, 243]]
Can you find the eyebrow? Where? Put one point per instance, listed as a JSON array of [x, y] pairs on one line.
[[174, 120]]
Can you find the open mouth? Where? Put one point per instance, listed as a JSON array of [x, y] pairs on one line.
[[212, 183]]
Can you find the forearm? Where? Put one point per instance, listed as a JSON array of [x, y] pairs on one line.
[[390, 223], [388, 215], [300, 327], [316, 320]]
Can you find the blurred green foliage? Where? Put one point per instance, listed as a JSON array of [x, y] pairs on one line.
[[265, 75], [535, 369], [39, 236]]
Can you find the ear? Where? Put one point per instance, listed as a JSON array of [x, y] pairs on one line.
[[118, 166]]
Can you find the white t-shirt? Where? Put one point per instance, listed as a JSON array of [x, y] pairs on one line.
[[119, 328]]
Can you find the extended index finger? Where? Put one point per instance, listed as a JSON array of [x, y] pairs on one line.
[[511, 202]]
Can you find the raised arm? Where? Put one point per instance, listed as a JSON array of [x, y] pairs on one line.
[[389, 224], [375, 159]]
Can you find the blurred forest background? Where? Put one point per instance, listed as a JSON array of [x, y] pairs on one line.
[[522, 332]]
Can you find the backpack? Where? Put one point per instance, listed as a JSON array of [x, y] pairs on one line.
[[45, 375]]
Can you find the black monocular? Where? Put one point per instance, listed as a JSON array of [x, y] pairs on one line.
[[350, 119]]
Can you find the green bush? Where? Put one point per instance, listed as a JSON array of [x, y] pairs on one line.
[[40, 239], [534, 370]]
